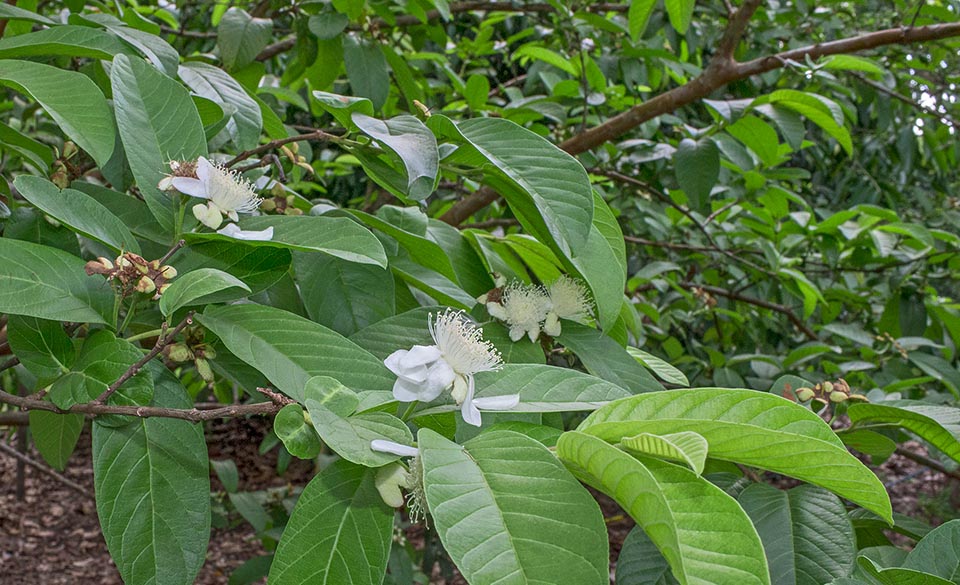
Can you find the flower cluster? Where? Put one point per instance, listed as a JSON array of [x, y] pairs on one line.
[[530, 309], [134, 273], [227, 193], [459, 351], [825, 392]]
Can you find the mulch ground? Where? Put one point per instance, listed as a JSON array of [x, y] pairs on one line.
[[53, 537]]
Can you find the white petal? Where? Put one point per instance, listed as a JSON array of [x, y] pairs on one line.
[[207, 215], [471, 414], [233, 215], [191, 187], [165, 184], [516, 333], [533, 333], [504, 402], [385, 446], [497, 311], [552, 325], [439, 376], [394, 359], [420, 355], [205, 170], [231, 230], [407, 391]]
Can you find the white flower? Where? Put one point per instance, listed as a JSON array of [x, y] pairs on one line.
[[523, 308], [424, 371], [227, 193], [233, 231], [568, 300], [587, 45], [499, 46]]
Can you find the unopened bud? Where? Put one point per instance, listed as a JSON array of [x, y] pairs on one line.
[[291, 199], [163, 288], [268, 205], [804, 394], [858, 398], [70, 149], [203, 368], [292, 211], [145, 285], [837, 396], [178, 352], [827, 387], [122, 262], [168, 272]]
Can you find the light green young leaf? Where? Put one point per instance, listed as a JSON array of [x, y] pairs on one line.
[[752, 428], [686, 447], [338, 533], [938, 425], [805, 531], [300, 438], [200, 287], [79, 211], [42, 346], [680, 13], [503, 523], [661, 368], [152, 482], [670, 503], [638, 15], [350, 436], [40, 281], [72, 99]]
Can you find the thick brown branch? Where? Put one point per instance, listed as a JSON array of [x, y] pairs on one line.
[[715, 76], [736, 27], [132, 371], [927, 462], [7, 450], [268, 408]]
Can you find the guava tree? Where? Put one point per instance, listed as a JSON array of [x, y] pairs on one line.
[[472, 257]]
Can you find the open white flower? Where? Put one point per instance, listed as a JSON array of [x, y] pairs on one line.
[[424, 371], [523, 308], [234, 231], [568, 300], [226, 192]]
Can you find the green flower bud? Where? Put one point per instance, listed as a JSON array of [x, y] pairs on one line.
[[804, 394], [837, 396], [203, 368]]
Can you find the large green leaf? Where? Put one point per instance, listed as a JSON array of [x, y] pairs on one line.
[[289, 350], [398, 332], [79, 211], [197, 287], [258, 267], [158, 123], [409, 139], [701, 531], [605, 358], [898, 575], [366, 68], [542, 389], [547, 188], [808, 538], [42, 346], [350, 436], [641, 563], [337, 236], [938, 552], [55, 435], [509, 513], [697, 165], [338, 533], [43, 282], [602, 263], [66, 40], [152, 483], [422, 250], [680, 13], [240, 37], [217, 85], [132, 211], [72, 100], [938, 425], [752, 428]]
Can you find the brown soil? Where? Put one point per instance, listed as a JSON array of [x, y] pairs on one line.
[[52, 537]]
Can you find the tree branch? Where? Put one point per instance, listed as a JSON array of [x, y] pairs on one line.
[[132, 371], [315, 135], [7, 450], [926, 462], [272, 406], [945, 118], [718, 74]]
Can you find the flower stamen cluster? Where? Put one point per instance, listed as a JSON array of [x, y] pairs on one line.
[[529, 309]]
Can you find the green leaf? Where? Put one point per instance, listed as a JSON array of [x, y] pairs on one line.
[[503, 523], [297, 435], [350, 436], [200, 287], [73, 101], [409, 139], [65, 40], [936, 366], [79, 211], [9, 12], [552, 58], [158, 51], [752, 428], [398, 332], [641, 563], [602, 263], [852, 63], [680, 13], [697, 166], [808, 538], [603, 357], [759, 137], [55, 435], [241, 37], [671, 504], [257, 266], [338, 533], [102, 360], [341, 295], [686, 447], [638, 16], [39, 281], [938, 553], [337, 236], [366, 69], [897, 575], [152, 483], [816, 109], [42, 346], [289, 350], [132, 211], [328, 25], [548, 189], [938, 425], [541, 389], [422, 250], [661, 368], [342, 107], [158, 123], [217, 85], [37, 153]]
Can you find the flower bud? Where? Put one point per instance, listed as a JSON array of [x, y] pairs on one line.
[[163, 288], [168, 272], [837, 396], [203, 368], [178, 352], [268, 205], [828, 387], [804, 394], [388, 481], [145, 285], [858, 398]]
